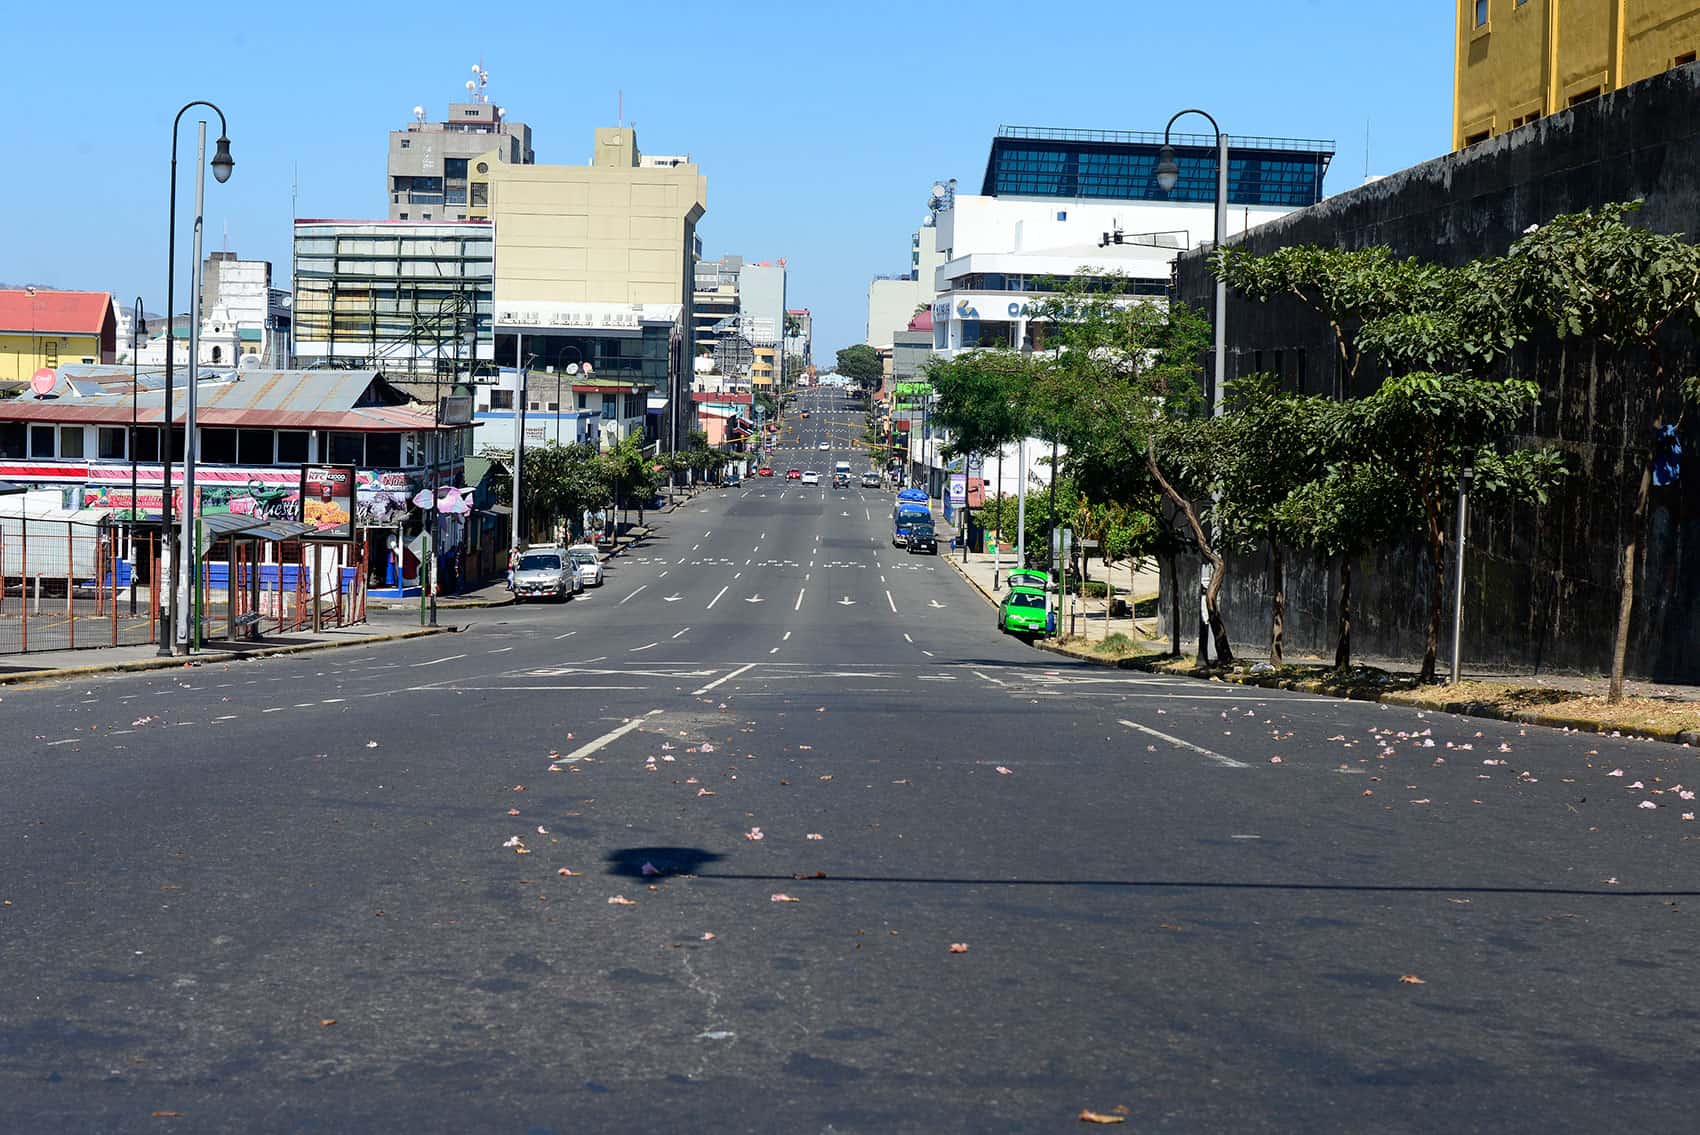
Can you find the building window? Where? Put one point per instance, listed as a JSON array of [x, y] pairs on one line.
[[1478, 136], [218, 446], [13, 437], [383, 451], [1685, 58], [348, 449], [501, 400], [291, 447], [403, 216], [217, 353], [254, 447], [480, 190], [42, 441], [70, 441], [147, 443], [1481, 13], [1062, 214], [112, 443], [407, 143], [1583, 96]]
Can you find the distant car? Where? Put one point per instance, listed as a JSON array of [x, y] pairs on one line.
[[732, 481], [841, 480], [545, 573], [824, 445], [587, 563], [793, 474], [765, 471], [1022, 612], [922, 538], [870, 480], [811, 478]]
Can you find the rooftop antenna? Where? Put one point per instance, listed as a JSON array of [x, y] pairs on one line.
[[480, 80], [1366, 147], [619, 108], [419, 115]]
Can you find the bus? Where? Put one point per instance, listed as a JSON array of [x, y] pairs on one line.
[[911, 510]]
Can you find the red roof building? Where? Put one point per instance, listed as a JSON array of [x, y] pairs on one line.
[[68, 326]]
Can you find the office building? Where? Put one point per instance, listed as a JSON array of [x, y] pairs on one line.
[[427, 177], [410, 297], [595, 264], [1520, 60], [799, 334], [714, 315], [894, 300], [761, 319]]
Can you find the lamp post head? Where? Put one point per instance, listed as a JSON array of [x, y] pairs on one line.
[[1168, 173], [141, 324], [222, 162]]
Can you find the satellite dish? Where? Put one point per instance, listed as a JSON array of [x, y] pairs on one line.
[[476, 68], [471, 86], [572, 368], [419, 113], [938, 189]]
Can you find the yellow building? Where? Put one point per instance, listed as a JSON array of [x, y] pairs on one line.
[[44, 328], [763, 366], [1519, 60]]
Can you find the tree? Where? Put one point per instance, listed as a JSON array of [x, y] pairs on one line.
[[981, 398], [559, 481], [1593, 274], [1424, 429], [861, 363], [1121, 391]]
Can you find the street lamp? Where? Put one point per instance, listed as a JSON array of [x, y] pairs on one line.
[[1168, 176], [222, 165], [137, 332]]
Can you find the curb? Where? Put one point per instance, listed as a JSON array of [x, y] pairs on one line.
[[37, 676], [984, 594], [463, 605], [1399, 698]]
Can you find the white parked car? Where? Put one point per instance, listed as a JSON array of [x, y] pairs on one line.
[[824, 445], [587, 564], [810, 477]]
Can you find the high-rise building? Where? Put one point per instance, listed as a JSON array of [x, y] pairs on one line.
[[799, 334], [1520, 60], [714, 316], [595, 265], [428, 160], [761, 319]]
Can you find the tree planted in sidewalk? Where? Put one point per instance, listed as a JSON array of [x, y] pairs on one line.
[[1596, 275], [861, 364]]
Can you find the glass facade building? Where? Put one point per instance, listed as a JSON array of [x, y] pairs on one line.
[[1122, 165]]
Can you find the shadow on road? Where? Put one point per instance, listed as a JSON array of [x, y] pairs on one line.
[[630, 861]]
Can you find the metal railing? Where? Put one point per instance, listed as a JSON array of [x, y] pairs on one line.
[[1155, 138]]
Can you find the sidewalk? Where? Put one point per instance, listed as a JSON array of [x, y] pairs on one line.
[[1652, 710]]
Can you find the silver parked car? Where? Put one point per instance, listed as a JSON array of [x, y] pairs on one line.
[[545, 573], [587, 564]]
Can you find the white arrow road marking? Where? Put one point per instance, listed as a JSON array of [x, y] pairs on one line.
[[847, 602], [717, 596], [756, 598], [1226, 762], [934, 603], [671, 598]]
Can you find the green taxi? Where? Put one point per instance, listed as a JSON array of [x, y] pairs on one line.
[[1023, 611]]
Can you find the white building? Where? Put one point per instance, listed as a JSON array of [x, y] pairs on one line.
[[894, 300]]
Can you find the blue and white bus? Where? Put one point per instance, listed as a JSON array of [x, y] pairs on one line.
[[911, 510]]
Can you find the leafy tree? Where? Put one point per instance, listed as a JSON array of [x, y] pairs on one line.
[[1424, 429], [559, 481], [1594, 274], [1121, 392], [981, 398], [861, 363]]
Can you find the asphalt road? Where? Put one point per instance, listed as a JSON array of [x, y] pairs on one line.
[[325, 892]]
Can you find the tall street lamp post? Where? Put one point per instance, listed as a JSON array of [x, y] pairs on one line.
[[137, 332], [222, 164], [1168, 176]]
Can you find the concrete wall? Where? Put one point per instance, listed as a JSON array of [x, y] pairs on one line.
[[1541, 584]]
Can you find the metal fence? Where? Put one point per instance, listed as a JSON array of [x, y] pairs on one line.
[[66, 585]]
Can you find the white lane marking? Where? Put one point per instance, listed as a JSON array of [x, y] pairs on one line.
[[906, 637], [274, 709], [757, 548], [989, 678], [694, 547], [635, 649], [502, 650], [671, 598], [717, 596], [681, 632], [612, 735], [635, 592], [866, 513], [569, 634], [787, 637], [66, 741], [1226, 762], [680, 560], [737, 575], [808, 575], [756, 598], [774, 650], [433, 662], [707, 534], [764, 536], [747, 562], [798, 605], [232, 716], [892, 601], [928, 653], [327, 701], [882, 579], [663, 575], [725, 678]]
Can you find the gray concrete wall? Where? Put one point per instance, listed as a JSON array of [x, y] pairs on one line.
[[1541, 585]]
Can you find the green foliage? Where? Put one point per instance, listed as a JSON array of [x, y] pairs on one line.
[[861, 363], [982, 398], [559, 482]]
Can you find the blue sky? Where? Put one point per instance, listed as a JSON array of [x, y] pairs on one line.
[[818, 125]]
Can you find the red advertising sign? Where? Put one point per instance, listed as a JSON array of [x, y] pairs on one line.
[[327, 501]]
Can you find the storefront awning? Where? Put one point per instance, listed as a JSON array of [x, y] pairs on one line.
[[219, 524]]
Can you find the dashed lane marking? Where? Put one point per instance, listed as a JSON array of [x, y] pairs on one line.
[[635, 592], [1225, 762], [717, 596], [891, 601]]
